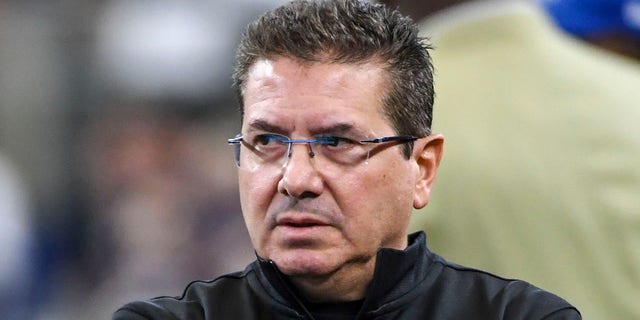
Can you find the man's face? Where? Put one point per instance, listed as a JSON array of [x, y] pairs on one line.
[[310, 216]]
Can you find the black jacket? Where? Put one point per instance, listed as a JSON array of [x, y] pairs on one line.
[[410, 284]]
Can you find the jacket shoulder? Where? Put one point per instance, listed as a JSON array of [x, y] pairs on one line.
[[508, 298], [198, 299]]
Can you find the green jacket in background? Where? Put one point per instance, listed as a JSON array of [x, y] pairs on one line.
[[540, 178]]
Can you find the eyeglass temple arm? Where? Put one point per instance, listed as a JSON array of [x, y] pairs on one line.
[[394, 138], [235, 140]]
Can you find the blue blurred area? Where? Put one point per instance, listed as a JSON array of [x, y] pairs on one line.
[[585, 18]]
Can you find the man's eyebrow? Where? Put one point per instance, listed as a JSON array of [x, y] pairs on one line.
[[337, 128], [262, 125]]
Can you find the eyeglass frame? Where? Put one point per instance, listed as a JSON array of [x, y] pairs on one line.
[[238, 140]]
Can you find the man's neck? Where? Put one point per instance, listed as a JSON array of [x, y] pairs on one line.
[[349, 283]]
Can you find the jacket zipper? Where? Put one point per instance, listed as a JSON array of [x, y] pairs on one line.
[[272, 264]]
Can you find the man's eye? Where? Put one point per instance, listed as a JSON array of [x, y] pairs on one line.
[[267, 139], [334, 141]]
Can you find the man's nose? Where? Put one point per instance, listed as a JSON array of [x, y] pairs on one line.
[[300, 177]]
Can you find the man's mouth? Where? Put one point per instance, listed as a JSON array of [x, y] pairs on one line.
[[300, 222]]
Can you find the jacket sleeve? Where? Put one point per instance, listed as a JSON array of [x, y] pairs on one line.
[[127, 314], [564, 314], [146, 310]]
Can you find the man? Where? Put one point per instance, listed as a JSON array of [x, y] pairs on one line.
[[540, 179], [334, 153]]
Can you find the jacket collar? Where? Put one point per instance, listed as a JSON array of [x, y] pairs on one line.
[[397, 272]]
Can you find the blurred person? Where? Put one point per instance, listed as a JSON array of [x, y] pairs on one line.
[[335, 152], [610, 24], [540, 178], [40, 75], [164, 209], [15, 244], [147, 179]]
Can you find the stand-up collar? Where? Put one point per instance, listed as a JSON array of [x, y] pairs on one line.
[[396, 273]]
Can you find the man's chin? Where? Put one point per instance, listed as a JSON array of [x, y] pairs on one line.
[[307, 263]]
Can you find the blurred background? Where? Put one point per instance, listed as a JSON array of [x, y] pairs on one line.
[[116, 182]]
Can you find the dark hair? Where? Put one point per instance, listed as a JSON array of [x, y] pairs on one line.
[[348, 31]]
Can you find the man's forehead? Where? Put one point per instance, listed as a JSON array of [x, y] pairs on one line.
[[315, 121], [266, 67], [279, 74], [262, 68], [332, 95]]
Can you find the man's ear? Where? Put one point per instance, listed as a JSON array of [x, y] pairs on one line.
[[427, 152]]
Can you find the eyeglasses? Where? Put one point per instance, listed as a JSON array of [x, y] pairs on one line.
[[275, 149]]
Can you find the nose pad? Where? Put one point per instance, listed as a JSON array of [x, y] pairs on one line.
[[311, 153], [289, 150], [300, 177]]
